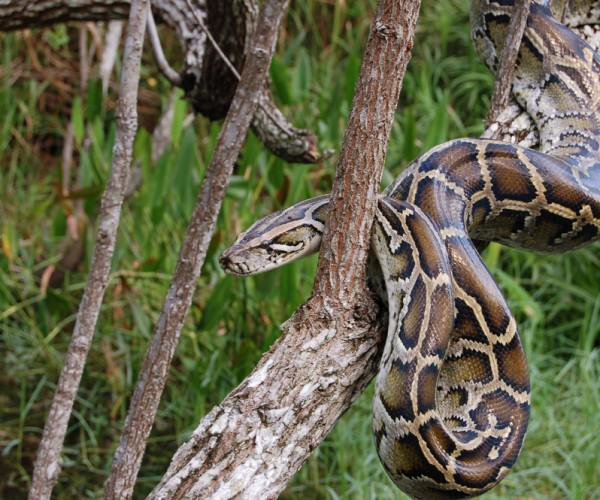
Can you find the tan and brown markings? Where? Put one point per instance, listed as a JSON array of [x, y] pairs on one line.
[[451, 402]]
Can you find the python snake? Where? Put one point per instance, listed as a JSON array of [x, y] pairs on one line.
[[452, 395]]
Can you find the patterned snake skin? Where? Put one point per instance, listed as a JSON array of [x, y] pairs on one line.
[[451, 401]]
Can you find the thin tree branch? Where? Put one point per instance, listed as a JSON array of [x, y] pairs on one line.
[[508, 59], [47, 464], [154, 371], [85, 60], [159, 56], [251, 444], [109, 53]]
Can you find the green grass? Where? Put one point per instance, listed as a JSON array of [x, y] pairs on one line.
[[446, 92]]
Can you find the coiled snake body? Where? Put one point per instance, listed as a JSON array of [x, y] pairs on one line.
[[451, 400]]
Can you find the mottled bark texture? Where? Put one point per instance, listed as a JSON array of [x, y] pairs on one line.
[[508, 59], [47, 464], [208, 83], [155, 369], [255, 440]]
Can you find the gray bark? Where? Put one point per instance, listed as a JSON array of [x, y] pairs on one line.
[[148, 391], [251, 444], [47, 464]]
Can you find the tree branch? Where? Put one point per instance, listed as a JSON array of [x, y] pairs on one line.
[[47, 465], [159, 56], [208, 82], [508, 59], [258, 437], [154, 372], [112, 39]]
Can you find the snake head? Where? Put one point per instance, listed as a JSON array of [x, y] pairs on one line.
[[277, 239]]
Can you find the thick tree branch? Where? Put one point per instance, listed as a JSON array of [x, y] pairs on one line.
[[47, 465], [154, 372], [259, 436], [208, 82], [17, 15]]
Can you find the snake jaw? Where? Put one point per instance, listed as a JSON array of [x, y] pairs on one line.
[[245, 262]]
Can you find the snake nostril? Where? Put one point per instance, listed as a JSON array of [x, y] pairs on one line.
[[225, 261]]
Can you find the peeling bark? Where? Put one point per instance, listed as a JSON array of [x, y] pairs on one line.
[[259, 436], [253, 443], [208, 83]]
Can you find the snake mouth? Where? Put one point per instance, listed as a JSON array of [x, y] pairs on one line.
[[245, 262], [231, 266]]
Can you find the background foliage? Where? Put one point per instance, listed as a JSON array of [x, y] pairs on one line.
[[556, 299]]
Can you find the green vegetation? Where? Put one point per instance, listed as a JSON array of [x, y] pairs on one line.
[[556, 299]]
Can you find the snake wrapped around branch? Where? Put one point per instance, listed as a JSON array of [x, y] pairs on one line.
[[452, 395]]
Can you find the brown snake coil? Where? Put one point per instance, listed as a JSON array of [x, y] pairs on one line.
[[451, 401]]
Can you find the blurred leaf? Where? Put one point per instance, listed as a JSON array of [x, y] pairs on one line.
[[57, 37], [351, 76], [9, 240], [179, 114], [185, 180], [438, 127], [409, 149], [302, 76], [216, 305], [7, 124], [142, 322], [492, 255], [94, 100], [158, 184], [59, 224], [77, 121], [280, 78]]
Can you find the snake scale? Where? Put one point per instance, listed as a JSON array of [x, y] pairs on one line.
[[452, 395]]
